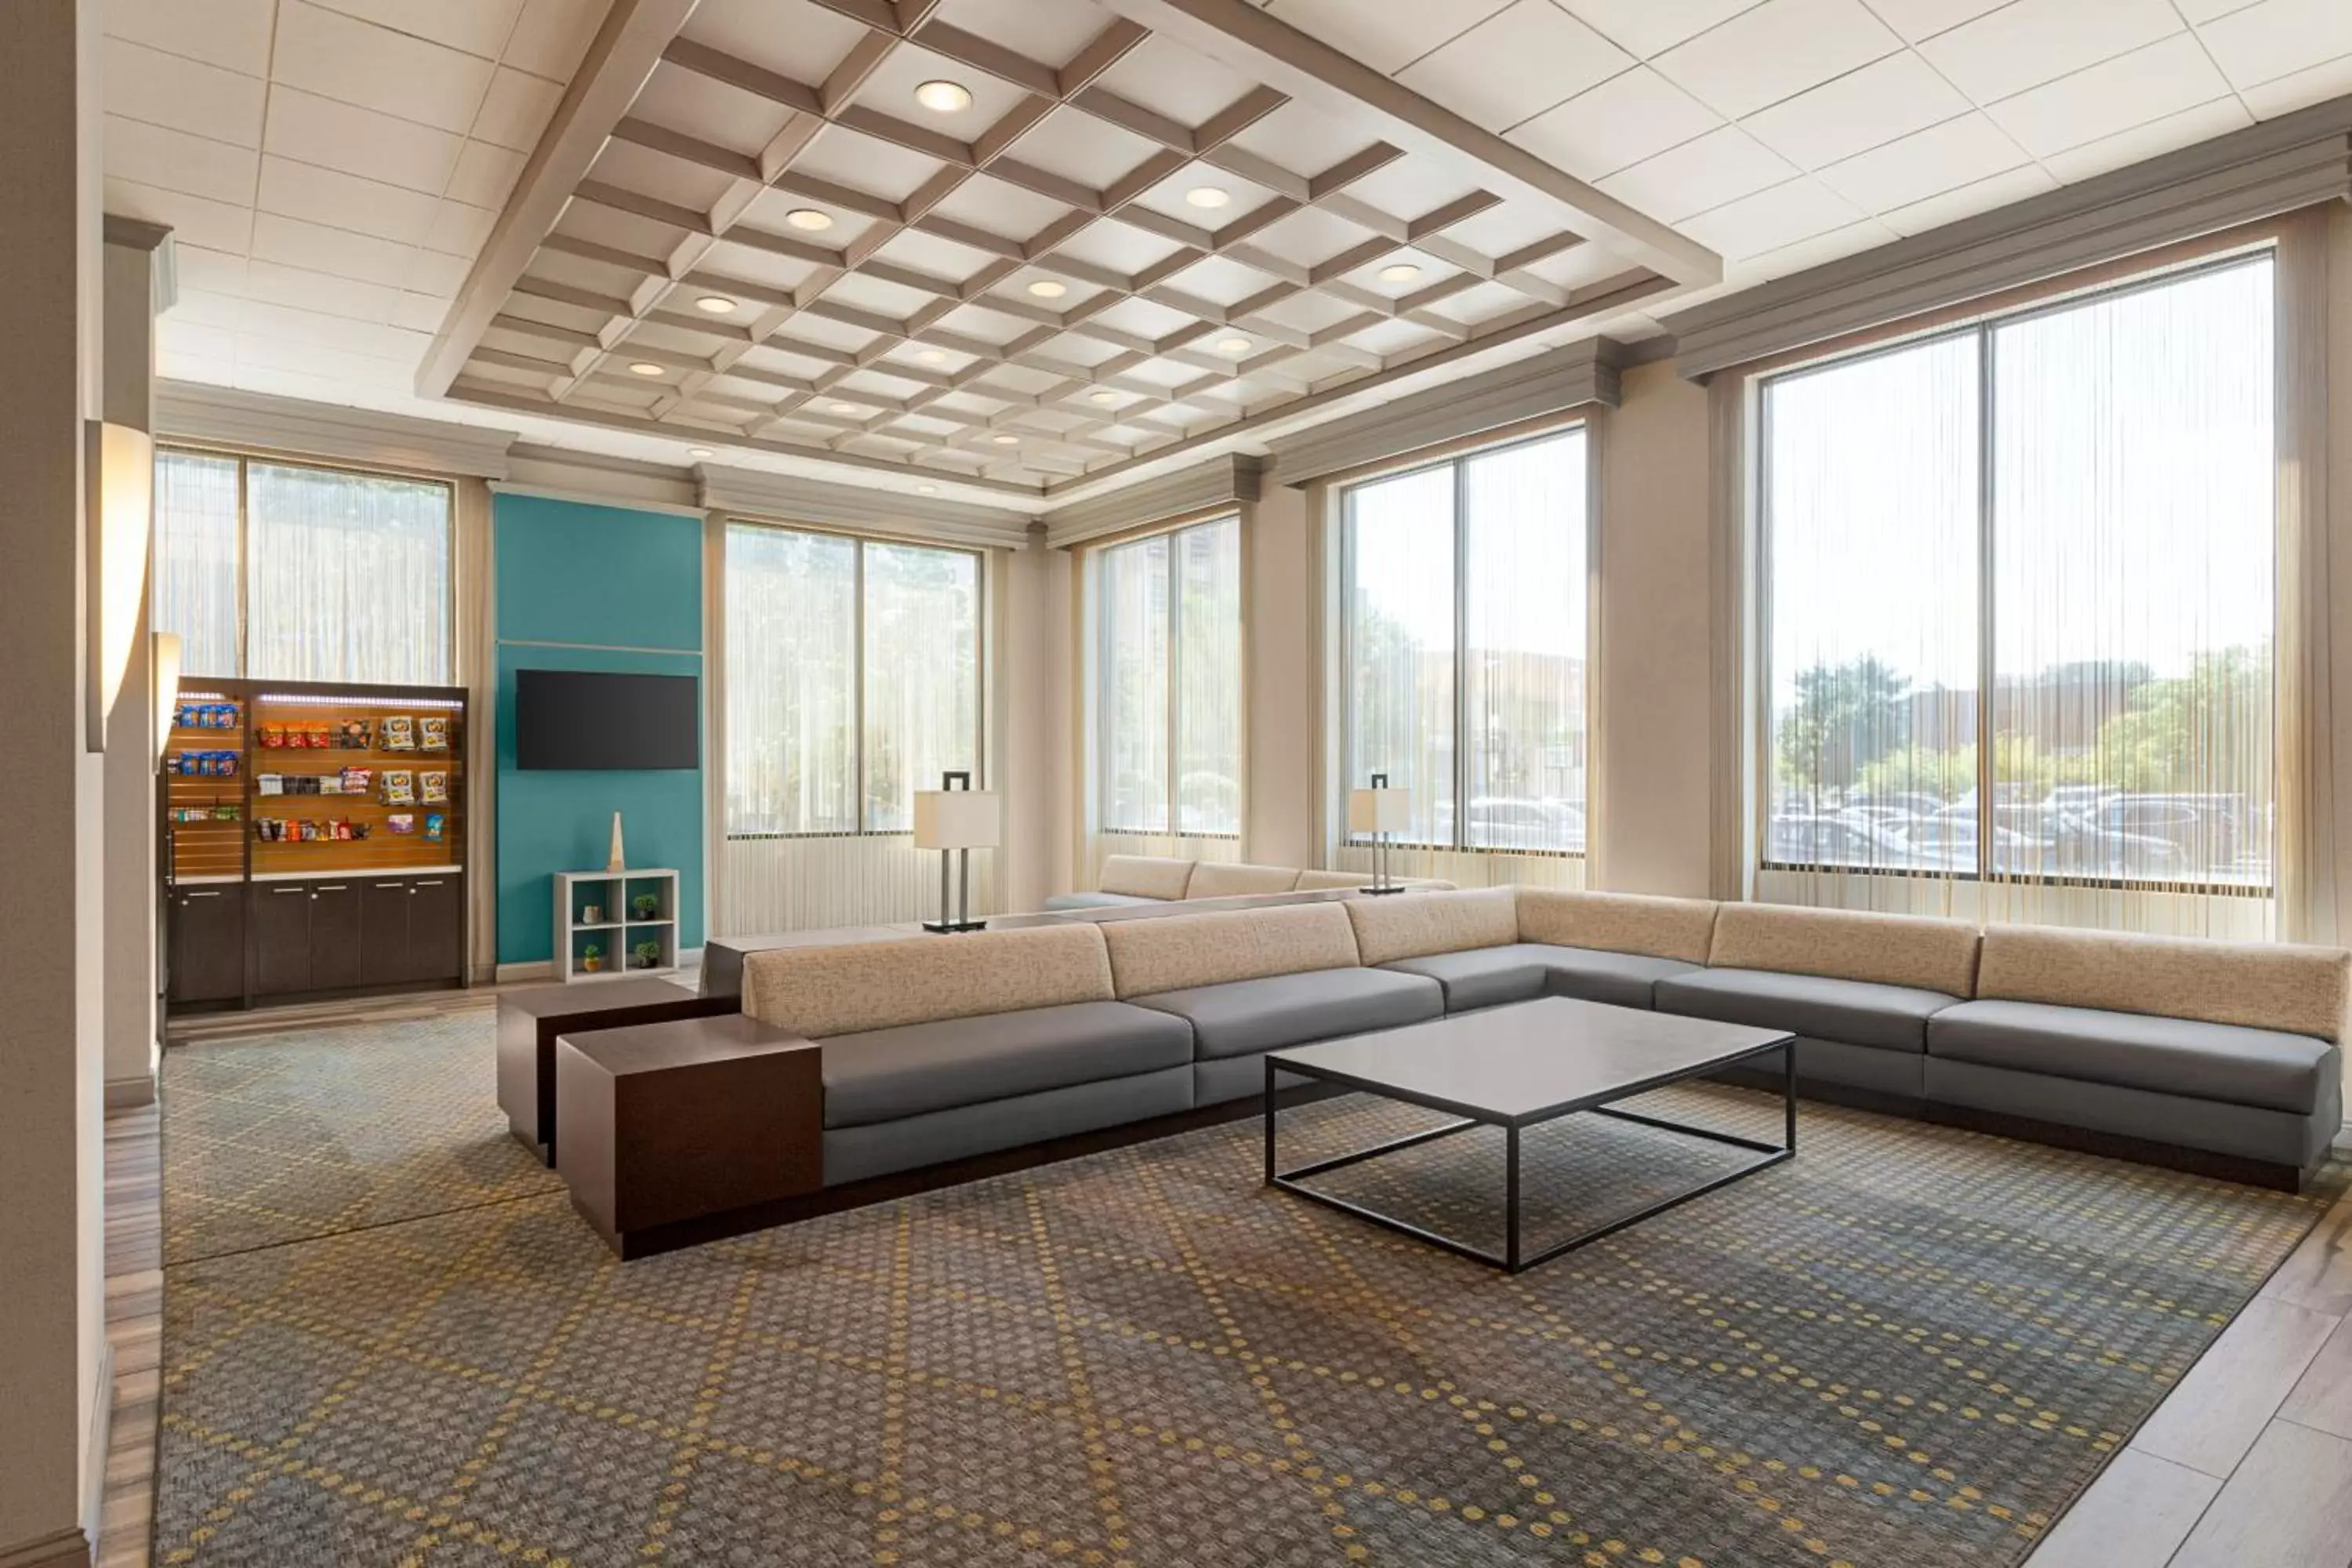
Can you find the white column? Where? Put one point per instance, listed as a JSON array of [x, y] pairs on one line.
[[1279, 668]]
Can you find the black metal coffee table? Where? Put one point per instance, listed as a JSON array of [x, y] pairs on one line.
[[1518, 1067]]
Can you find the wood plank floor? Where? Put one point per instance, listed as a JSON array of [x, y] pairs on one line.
[[135, 1328]]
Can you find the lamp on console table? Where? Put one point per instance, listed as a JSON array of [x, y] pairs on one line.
[[956, 816], [1379, 811]]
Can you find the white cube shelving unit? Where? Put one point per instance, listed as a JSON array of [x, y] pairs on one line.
[[618, 930]]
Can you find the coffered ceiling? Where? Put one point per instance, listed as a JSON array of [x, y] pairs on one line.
[[530, 213]]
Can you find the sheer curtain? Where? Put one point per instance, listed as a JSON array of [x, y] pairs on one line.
[[792, 681], [347, 576], [1464, 628], [923, 676], [2021, 612], [196, 578]]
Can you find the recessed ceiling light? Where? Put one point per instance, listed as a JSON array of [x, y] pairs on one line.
[[809, 218], [943, 96], [645, 367], [1046, 288], [715, 305], [927, 489], [933, 356], [1006, 440], [1103, 397], [1209, 196], [1402, 272], [1232, 345], [845, 408]]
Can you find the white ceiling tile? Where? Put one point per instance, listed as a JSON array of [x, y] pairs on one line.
[[484, 174], [337, 200], [231, 34], [2278, 37], [1941, 158], [311, 360], [419, 312], [284, 324], [1624, 120], [477, 26], [338, 56], [174, 161], [216, 270], [1386, 35], [226, 311], [1648, 27], [1822, 249], [359, 141], [2033, 41], [2112, 96], [1771, 219], [432, 272], [552, 36], [1776, 51], [2197, 13], [2201, 123], [1917, 19], [319, 291], [1718, 167], [148, 85], [516, 110], [1950, 206], [1516, 64], [1859, 110], [193, 220], [460, 230], [2301, 90], [319, 248], [177, 335]]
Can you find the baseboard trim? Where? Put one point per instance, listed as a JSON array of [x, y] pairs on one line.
[[688, 961], [129, 1093], [67, 1549]]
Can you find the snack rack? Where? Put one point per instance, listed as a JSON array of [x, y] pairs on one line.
[[339, 780]]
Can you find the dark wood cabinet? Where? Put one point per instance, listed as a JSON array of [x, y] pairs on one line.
[[436, 929], [335, 951], [206, 943], [281, 938], [384, 930]]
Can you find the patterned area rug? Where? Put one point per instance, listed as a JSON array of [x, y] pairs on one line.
[[1910, 1348]]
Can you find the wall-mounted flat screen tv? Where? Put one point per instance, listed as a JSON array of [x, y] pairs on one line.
[[577, 719]]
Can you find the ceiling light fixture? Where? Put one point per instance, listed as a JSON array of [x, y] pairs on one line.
[[643, 367], [809, 218], [1209, 196], [1232, 345], [845, 408], [1105, 398], [701, 452], [927, 489], [944, 97], [1046, 288], [1402, 272], [1006, 440], [715, 305], [933, 356]]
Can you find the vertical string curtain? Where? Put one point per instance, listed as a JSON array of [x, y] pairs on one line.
[[2021, 601]]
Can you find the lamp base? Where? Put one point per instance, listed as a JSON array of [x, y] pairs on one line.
[[1380, 890], [949, 928]]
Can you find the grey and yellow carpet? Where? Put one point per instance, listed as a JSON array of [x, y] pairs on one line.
[[1910, 1348]]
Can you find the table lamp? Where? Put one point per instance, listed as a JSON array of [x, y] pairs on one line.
[[955, 816], [1379, 811]]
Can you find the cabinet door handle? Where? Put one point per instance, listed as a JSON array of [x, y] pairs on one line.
[[435, 883], [335, 888], [281, 892], [185, 897], [388, 884]]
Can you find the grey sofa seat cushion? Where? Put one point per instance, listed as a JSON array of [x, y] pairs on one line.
[[1491, 976], [2236, 1065], [1097, 901], [1244, 1016], [886, 1074], [1854, 1012]]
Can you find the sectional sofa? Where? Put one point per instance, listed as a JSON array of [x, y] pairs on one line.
[[2211, 1057], [1161, 878]]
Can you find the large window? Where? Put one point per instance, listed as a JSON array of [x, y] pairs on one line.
[[282, 572], [1463, 632], [2019, 595], [853, 678], [1168, 723]]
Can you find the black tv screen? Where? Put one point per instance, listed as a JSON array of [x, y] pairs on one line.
[[575, 718]]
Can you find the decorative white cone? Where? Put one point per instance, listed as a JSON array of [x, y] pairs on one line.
[[618, 862]]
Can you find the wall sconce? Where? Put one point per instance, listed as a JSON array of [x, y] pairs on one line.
[[167, 688], [963, 820], [1379, 811], [118, 504]]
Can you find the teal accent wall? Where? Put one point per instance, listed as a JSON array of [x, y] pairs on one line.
[[621, 590]]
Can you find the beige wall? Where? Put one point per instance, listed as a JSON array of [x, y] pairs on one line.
[[1278, 825], [1034, 701], [131, 965]]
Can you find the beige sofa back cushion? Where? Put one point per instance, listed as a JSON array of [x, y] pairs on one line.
[[1232, 880], [820, 992], [1416, 925], [2298, 989], [1843, 944], [1619, 922], [1319, 881], [1145, 875], [1183, 951]]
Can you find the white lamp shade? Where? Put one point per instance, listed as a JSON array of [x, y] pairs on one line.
[[119, 480], [167, 686], [957, 819], [1380, 810]]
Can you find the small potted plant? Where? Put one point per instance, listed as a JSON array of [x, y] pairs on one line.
[[591, 958], [645, 904], [648, 955]]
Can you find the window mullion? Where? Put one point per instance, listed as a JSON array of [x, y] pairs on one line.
[[1987, 673], [857, 683], [1173, 685], [1461, 657]]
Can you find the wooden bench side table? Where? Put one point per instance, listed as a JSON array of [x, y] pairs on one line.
[[669, 1129], [531, 1021]]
